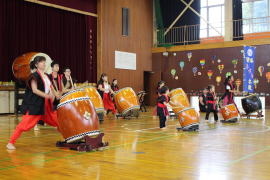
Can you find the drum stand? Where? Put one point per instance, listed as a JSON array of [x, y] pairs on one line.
[[86, 144], [129, 114], [248, 116], [191, 128]]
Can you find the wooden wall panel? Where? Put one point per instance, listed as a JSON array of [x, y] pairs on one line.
[[139, 41], [191, 83]]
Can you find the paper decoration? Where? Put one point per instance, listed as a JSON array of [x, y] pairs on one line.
[[256, 81], [219, 61], [228, 74], [261, 70], [174, 54], [194, 70], [267, 75], [218, 80], [213, 58], [209, 74], [202, 62], [268, 64], [189, 55], [182, 64], [235, 71], [234, 62], [176, 77], [220, 67], [173, 71], [199, 73], [238, 83]]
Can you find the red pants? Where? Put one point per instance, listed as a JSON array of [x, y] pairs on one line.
[[29, 121], [108, 103]]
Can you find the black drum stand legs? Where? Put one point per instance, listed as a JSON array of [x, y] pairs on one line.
[[190, 128], [86, 144]]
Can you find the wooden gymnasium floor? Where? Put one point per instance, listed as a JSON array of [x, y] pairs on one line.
[[140, 150]]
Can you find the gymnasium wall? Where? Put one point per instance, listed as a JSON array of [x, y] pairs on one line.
[[194, 82], [139, 41]]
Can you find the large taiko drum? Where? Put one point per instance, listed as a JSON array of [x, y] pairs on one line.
[[229, 113], [77, 118], [95, 97], [251, 104], [21, 65], [189, 119], [73, 94], [178, 100], [126, 100]]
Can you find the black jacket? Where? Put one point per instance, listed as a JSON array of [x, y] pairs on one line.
[[33, 103]]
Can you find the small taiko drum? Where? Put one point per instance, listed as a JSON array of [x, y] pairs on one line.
[[21, 65], [229, 113], [77, 118], [126, 100], [251, 104], [189, 119], [73, 94], [178, 100], [95, 97]]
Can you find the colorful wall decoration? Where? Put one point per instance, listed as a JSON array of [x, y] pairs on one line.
[[249, 66]]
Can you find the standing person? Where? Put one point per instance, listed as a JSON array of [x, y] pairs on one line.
[[115, 85], [202, 100], [67, 81], [105, 91], [159, 86], [230, 90], [56, 78], [211, 103], [162, 103], [37, 103]]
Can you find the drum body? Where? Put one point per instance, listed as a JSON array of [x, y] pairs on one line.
[[77, 118], [21, 65], [77, 93], [188, 118], [229, 112], [126, 100], [178, 100], [95, 98], [251, 104]]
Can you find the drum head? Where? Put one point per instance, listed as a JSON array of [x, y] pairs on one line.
[[251, 104], [48, 68]]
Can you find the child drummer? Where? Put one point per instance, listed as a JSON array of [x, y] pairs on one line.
[[162, 103], [211, 103], [37, 103]]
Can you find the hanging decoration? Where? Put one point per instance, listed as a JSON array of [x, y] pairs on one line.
[[202, 62], [213, 58], [218, 80], [261, 70], [182, 64], [209, 74], [268, 64], [235, 71], [267, 75], [234, 62], [199, 73], [220, 67], [238, 83], [176, 77], [219, 61], [256, 81], [173, 72], [194, 70], [189, 55], [228, 74]]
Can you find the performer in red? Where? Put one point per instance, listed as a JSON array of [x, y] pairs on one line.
[[37, 103], [230, 90], [105, 91], [162, 103], [115, 85], [211, 103]]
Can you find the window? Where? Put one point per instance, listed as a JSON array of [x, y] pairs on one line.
[[125, 21], [213, 12], [256, 16]]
